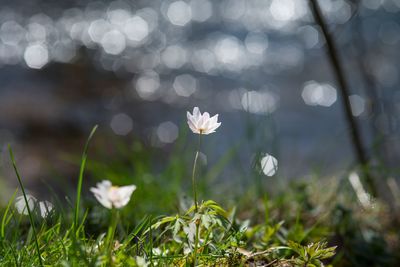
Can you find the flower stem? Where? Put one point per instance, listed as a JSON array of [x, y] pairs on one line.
[[110, 234], [194, 173], [196, 241]]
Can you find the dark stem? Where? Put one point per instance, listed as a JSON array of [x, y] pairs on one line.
[[344, 91]]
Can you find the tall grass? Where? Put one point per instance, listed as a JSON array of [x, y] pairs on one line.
[[27, 205], [80, 179]]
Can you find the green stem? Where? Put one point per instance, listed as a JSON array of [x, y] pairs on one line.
[[80, 180], [196, 241], [194, 173], [26, 203], [110, 234]]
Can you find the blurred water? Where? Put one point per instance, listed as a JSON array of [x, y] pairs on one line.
[[135, 67]]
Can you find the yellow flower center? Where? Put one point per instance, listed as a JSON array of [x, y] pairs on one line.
[[114, 187], [113, 194]]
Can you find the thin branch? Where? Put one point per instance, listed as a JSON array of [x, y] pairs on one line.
[[332, 52]]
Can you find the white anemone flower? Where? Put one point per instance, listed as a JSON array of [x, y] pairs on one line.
[[112, 196], [44, 208], [20, 204], [202, 123]]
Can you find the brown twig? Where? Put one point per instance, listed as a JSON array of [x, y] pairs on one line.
[[332, 52]]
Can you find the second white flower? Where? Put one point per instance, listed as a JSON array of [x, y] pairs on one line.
[[112, 196], [202, 123]]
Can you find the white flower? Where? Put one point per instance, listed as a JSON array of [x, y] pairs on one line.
[[44, 208], [20, 204], [141, 261], [202, 123], [112, 196], [190, 231], [159, 252]]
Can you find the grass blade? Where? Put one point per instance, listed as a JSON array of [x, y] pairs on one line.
[[26, 203], [80, 179], [4, 221]]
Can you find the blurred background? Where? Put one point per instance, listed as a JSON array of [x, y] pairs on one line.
[[136, 67]]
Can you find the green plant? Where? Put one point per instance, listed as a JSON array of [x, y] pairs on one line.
[[312, 254]]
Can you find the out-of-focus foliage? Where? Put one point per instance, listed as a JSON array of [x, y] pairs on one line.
[[305, 212]]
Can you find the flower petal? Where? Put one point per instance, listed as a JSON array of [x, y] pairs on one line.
[[205, 120], [214, 127], [196, 112], [192, 125], [189, 116], [45, 208], [101, 194], [214, 119], [194, 129], [124, 193], [105, 184]]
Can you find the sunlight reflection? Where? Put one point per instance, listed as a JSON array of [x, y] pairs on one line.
[[203, 60], [98, 28], [256, 43], [11, 33], [269, 164], [259, 102], [337, 11], [185, 85], [310, 36], [118, 26], [357, 105], [228, 50], [319, 94], [174, 56], [167, 132], [233, 9], [147, 85], [118, 16], [11, 54], [113, 42], [136, 29], [201, 10], [179, 13], [36, 56], [282, 10], [121, 124]]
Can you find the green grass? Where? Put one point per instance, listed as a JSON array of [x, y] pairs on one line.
[[39, 255], [304, 223], [80, 179]]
